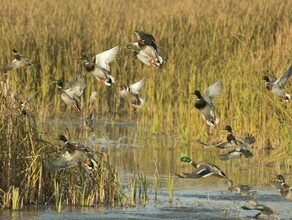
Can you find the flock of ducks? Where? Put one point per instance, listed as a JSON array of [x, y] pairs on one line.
[[239, 146], [145, 49]]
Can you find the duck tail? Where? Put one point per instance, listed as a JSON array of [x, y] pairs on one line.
[[91, 164], [76, 105], [159, 60], [110, 80], [134, 46], [287, 97], [140, 104]]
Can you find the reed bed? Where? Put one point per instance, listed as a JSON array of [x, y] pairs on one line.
[[201, 42], [24, 179]]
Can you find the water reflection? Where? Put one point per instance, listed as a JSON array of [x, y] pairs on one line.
[[135, 149]]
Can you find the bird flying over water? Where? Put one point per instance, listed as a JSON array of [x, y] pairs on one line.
[[203, 169], [131, 94], [276, 86], [146, 49], [76, 153], [205, 103], [71, 94], [99, 65], [240, 146]]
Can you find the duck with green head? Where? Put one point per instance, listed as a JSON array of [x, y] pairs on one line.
[[146, 49], [204, 103], [203, 169], [240, 146], [71, 94], [19, 61], [232, 141], [76, 153], [276, 86]]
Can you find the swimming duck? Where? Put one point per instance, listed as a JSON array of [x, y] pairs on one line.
[[76, 153], [19, 62], [203, 169], [70, 95], [241, 144], [131, 94], [276, 86], [285, 189], [146, 49], [265, 211], [99, 66], [205, 105], [242, 190]]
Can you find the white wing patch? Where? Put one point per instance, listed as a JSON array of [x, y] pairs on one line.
[[103, 59]]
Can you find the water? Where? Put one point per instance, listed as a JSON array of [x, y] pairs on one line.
[[200, 203], [134, 149]]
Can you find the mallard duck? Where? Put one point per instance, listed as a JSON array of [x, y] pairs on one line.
[[76, 153], [70, 95], [203, 169], [205, 105], [285, 189], [19, 62], [276, 86], [146, 49], [265, 212], [241, 144], [277, 181], [131, 94], [99, 66], [242, 190], [237, 153]]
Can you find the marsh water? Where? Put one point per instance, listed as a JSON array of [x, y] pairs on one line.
[[135, 150]]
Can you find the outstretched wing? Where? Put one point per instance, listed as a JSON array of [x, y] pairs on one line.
[[103, 59], [230, 155], [63, 162], [147, 38], [249, 139], [135, 87], [282, 80], [77, 88], [212, 91]]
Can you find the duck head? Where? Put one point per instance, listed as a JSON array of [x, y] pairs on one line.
[[197, 93], [62, 138], [266, 78], [185, 159], [228, 128], [59, 83]]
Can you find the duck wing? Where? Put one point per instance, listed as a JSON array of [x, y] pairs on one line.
[[234, 154], [282, 80], [103, 59], [147, 38], [212, 91], [135, 87], [77, 88]]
